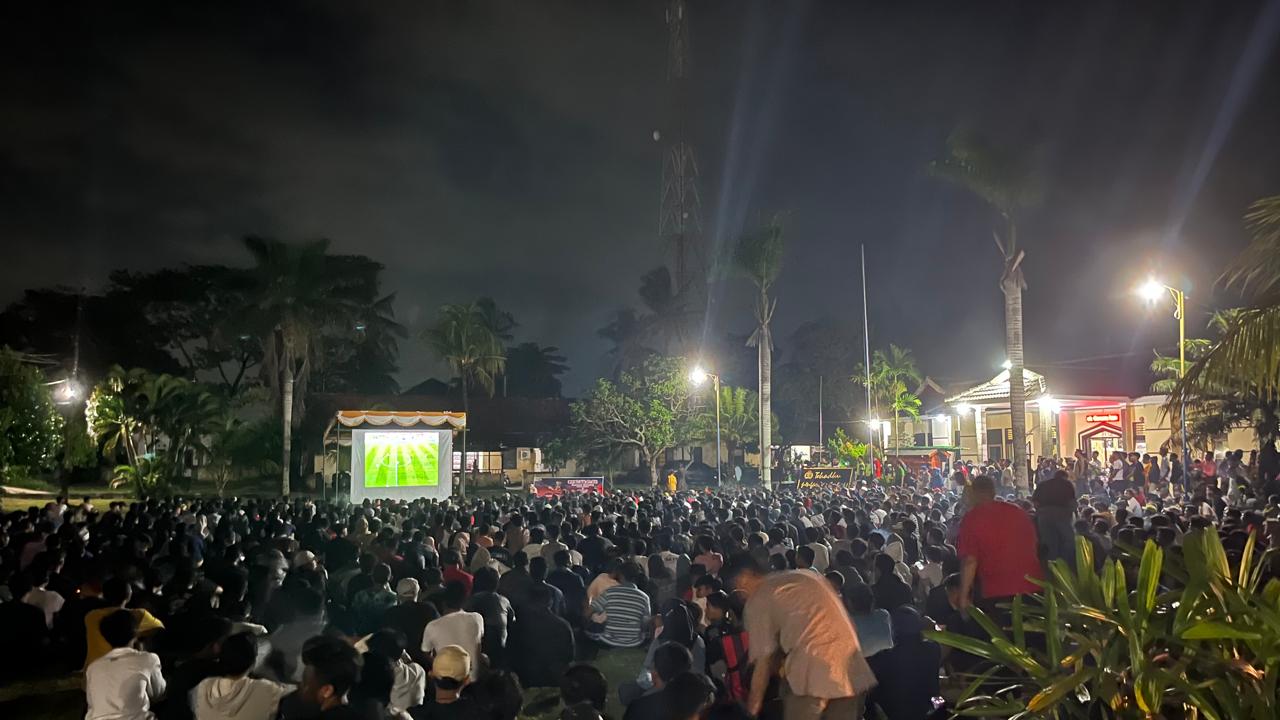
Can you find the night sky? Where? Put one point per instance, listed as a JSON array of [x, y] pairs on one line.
[[506, 149]]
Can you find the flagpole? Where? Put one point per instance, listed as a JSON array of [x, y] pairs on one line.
[[866, 348]]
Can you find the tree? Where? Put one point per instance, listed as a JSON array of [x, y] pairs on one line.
[[818, 354], [105, 330], [845, 450], [30, 426], [890, 374], [155, 420], [534, 371], [1243, 362], [664, 325], [299, 295], [464, 336], [500, 322], [904, 403], [238, 448], [759, 258], [647, 411], [739, 419], [1215, 408], [197, 311], [1004, 183]]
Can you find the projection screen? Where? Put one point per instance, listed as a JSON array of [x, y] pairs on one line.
[[401, 463]]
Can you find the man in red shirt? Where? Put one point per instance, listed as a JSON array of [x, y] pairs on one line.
[[453, 571], [997, 547]]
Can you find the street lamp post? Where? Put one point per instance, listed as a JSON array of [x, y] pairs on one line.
[[699, 376], [1152, 290]]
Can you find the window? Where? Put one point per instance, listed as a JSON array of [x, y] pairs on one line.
[[485, 462], [1140, 432], [995, 444], [697, 453]]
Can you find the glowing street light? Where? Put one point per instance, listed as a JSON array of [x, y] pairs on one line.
[[964, 408], [1007, 365], [68, 391], [1152, 290], [698, 376]]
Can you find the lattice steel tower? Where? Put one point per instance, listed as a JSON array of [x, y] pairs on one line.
[[680, 215]]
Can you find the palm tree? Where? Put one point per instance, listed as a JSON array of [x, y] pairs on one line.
[[1246, 355], [903, 403], [890, 373], [759, 257], [499, 321], [895, 368], [1005, 184], [298, 291], [665, 324], [624, 332], [464, 337], [533, 371], [1244, 361]]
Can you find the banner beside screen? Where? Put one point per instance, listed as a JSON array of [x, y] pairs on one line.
[[401, 463], [824, 479], [557, 486]]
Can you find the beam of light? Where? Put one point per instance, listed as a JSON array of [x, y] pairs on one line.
[[755, 108], [1256, 51]]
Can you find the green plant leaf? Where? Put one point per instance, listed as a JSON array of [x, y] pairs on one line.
[[1217, 630], [1149, 577], [1246, 562], [1015, 624], [984, 650], [1058, 689], [1053, 641]]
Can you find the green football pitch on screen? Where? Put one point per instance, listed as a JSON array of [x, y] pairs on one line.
[[401, 459]]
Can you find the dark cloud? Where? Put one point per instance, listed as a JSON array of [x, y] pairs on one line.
[[505, 148]]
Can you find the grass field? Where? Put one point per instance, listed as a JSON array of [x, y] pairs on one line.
[[401, 459]]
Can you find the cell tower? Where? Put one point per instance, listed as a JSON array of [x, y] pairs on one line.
[[680, 215]]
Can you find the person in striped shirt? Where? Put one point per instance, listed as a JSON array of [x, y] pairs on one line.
[[623, 609]]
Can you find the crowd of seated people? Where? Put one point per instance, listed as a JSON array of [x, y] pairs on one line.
[[730, 603]]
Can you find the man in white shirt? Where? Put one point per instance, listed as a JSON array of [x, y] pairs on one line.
[[455, 627], [122, 684], [48, 601]]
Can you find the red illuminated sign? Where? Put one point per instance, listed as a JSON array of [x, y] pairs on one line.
[[1107, 418]]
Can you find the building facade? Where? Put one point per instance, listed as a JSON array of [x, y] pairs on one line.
[[977, 420]]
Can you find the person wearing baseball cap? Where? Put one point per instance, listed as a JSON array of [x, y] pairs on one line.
[[410, 616], [450, 673]]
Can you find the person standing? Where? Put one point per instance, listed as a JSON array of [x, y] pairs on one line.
[[997, 548], [1055, 501], [799, 628], [124, 683]]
